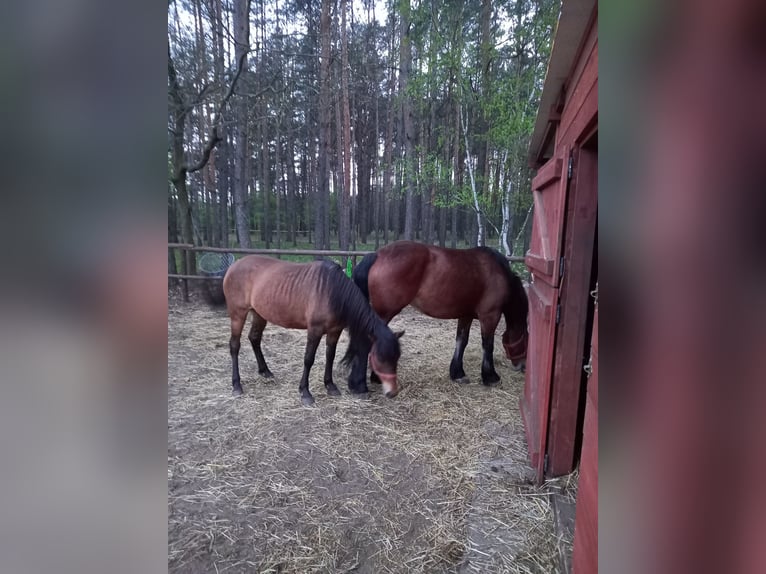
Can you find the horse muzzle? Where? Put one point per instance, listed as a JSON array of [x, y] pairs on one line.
[[390, 384]]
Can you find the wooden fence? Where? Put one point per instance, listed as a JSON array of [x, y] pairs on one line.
[[188, 249]]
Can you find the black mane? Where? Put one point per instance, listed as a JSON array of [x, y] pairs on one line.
[[517, 309], [349, 304]]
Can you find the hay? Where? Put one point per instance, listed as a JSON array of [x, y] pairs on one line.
[[435, 480]]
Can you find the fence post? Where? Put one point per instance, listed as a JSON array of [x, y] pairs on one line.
[[187, 255]]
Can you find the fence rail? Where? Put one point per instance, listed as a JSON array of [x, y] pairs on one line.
[[189, 248]]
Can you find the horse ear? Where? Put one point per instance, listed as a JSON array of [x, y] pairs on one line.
[[398, 334]]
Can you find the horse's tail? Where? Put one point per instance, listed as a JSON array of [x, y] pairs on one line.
[[359, 277], [212, 292], [361, 273]]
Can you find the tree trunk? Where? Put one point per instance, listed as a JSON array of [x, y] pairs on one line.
[[241, 47], [265, 182], [322, 197], [375, 191], [172, 237], [405, 59], [278, 184], [505, 244], [292, 185], [482, 122]]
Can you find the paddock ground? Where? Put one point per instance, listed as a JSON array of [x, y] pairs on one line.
[[435, 480]]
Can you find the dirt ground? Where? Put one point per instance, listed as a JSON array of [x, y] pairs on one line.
[[434, 480]]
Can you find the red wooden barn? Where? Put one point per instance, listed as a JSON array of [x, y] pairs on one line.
[[560, 401]]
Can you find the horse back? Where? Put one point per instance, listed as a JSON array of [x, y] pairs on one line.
[[282, 292], [440, 282]]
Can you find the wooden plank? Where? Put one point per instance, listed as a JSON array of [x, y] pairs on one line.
[[584, 52], [582, 107], [540, 264], [537, 384], [541, 224], [546, 174], [322, 252], [202, 277], [585, 553], [549, 200], [575, 300]]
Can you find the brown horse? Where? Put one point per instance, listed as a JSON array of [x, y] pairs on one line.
[[315, 296], [462, 284]]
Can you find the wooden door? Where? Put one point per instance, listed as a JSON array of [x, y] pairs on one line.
[[549, 189], [585, 553]]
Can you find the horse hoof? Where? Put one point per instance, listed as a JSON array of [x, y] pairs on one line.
[[267, 374], [333, 391], [308, 401], [236, 392], [491, 382], [463, 380], [363, 395]]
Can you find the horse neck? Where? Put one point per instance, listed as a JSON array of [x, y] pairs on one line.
[[513, 324], [356, 312]]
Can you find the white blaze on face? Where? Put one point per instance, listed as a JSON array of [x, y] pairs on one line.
[[388, 387]]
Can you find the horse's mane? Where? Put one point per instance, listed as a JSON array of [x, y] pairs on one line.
[[518, 306], [350, 305]]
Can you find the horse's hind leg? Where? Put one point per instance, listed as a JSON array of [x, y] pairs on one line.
[[255, 336], [456, 372], [488, 325], [237, 324], [331, 342], [308, 361]]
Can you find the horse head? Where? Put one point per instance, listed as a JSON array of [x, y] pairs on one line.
[[384, 358], [516, 349]]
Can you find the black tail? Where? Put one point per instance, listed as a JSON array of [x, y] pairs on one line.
[[212, 292], [359, 277], [361, 272]]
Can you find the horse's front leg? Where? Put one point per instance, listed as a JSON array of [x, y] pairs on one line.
[[488, 374], [312, 343], [331, 342], [456, 372]]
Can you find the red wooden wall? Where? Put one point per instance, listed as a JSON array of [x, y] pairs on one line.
[[560, 258]]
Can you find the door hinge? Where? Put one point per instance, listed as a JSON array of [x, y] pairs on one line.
[[589, 367], [545, 464], [561, 267], [570, 166], [558, 313]]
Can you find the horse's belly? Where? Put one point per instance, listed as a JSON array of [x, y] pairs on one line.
[[443, 309], [282, 315]]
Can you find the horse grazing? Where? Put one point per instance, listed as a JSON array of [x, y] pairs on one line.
[[462, 284], [315, 296]]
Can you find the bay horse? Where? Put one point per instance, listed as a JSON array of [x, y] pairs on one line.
[[462, 284], [317, 297]]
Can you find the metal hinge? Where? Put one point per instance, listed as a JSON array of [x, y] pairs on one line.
[[558, 313], [545, 464], [589, 367], [570, 167], [561, 267]]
